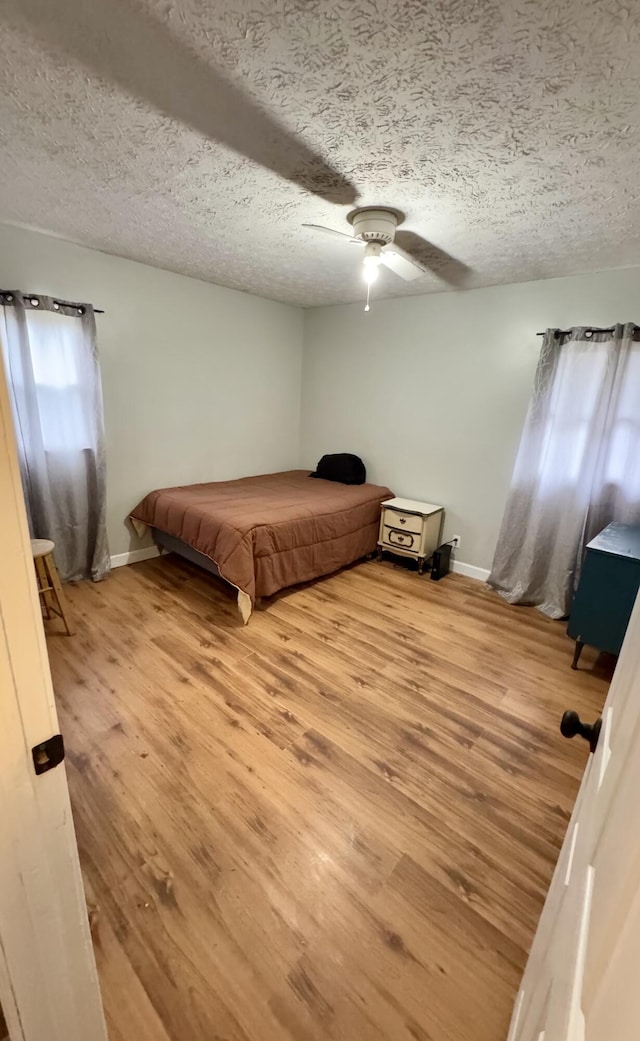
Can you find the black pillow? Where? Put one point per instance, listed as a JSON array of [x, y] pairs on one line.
[[342, 467]]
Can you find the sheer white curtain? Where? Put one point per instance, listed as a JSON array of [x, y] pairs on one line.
[[50, 360], [578, 466]]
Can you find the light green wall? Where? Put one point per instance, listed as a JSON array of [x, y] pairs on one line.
[[200, 382], [432, 391], [204, 383]]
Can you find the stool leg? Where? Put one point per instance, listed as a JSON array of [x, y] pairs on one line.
[[43, 583], [54, 581]]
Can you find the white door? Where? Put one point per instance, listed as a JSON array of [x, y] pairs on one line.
[[582, 981], [48, 983]]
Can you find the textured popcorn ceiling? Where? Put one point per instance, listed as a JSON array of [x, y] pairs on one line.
[[508, 133]]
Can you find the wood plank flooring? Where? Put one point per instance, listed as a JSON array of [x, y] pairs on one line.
[[337, 823]]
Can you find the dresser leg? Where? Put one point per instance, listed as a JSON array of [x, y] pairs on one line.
[[576, 654], [420, 565], [379, 553]]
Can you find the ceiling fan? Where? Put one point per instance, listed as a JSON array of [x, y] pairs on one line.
[[374, 227]]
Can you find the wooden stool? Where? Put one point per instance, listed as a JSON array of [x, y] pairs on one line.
[[49, 587]]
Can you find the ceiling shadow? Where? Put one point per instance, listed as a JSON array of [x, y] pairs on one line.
[[435, 259], [124, 45]]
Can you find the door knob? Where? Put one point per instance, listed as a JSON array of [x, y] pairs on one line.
[[572, 724]]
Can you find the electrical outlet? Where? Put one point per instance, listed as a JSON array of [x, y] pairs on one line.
[[456, 541]]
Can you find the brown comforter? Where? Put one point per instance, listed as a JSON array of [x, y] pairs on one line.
[[268, 532]]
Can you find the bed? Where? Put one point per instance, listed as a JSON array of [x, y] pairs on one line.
[[262, 534]]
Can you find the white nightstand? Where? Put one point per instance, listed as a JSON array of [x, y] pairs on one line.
[[410, 528]]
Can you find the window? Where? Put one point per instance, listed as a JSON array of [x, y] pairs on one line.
[[589, 424], [578, 466], [579, 375], [52, 370], [59, 359]]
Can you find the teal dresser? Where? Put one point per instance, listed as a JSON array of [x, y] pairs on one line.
[[607, 590]]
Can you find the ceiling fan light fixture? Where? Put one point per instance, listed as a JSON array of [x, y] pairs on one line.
[[375, 229], [371, 261], [370, 270]]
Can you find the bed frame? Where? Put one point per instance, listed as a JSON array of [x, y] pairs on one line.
[[170, 544]]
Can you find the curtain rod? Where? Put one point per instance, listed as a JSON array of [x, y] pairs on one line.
[[65, 303], [589, 329]]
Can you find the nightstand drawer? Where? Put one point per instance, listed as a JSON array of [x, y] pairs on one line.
[[407, 540], [403, 521]]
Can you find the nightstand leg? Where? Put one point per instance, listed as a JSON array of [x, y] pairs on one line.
[[379, 552], [420, 565], [576, 654]]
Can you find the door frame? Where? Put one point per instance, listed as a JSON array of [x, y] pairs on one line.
[[49, 986]]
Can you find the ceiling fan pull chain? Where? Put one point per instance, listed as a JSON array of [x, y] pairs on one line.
[[366, 306]]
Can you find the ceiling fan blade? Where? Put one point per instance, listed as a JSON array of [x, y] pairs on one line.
[[401, 263], [332, 231], [129, 46], [431, 259]]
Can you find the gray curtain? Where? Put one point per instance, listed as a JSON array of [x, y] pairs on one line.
[[51, 363], [578, 465]]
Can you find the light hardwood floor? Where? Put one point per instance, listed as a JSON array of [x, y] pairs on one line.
[[338, 822]]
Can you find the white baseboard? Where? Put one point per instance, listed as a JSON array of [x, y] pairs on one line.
[[481, 574], [470, 570], [134, 555]]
